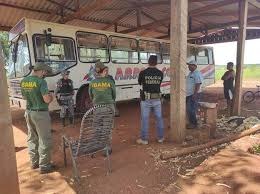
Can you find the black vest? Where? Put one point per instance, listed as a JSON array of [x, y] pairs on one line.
[[66, 87]]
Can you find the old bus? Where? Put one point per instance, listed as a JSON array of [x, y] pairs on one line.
[[77, 48]]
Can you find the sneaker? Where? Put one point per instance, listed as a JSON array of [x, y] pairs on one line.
[[160, 140], [143, 142], [47, 170]]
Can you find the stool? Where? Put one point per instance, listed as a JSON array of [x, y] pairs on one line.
[[208, 116]]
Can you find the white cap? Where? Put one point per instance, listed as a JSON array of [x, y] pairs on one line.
[[192, 62]]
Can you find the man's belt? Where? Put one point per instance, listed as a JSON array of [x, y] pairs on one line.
[[66, 94], [152, 95], [38, 110]]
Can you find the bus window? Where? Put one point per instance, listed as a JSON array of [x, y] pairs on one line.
[[60, 55], [92, 47], [123, 50], [19, 61], [211, 59], [191, 53], [202, 57], [148, 48], [166, 53]]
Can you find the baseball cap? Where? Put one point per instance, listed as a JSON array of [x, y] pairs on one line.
[[192, 62], [42, 66], [99, 66], [65, 72]]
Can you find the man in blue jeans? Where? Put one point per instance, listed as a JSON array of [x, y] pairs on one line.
[[150, 79], [193, 89]]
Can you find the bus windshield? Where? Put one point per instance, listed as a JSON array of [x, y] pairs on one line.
[[19, 59], [60, 55]]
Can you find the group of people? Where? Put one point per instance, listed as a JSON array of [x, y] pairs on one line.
[[35, 90], [102, 91]]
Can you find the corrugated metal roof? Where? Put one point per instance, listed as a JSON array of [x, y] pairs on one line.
[[11, 11]]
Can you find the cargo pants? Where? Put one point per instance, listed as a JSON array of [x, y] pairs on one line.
[[67, 103], [39, 138]]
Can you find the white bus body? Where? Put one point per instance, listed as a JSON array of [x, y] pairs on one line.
[[77, 49]]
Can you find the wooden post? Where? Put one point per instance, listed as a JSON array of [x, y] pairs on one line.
[[243, 9], [8, 169], [179, 12], [115, 27], [138, 17]]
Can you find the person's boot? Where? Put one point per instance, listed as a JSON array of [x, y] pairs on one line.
[[63, 122]]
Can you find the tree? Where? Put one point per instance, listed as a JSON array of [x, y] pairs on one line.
[[4, 43]]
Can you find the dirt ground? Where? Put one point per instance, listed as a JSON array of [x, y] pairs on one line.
[[138, 169]]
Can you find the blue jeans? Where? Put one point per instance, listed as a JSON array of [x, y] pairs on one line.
[[146, 107], [192, 108]]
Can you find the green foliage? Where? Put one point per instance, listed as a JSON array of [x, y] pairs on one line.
[[4, 43], [251, 72], [256, 149]]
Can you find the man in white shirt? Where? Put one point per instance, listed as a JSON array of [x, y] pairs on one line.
[[193, 90]]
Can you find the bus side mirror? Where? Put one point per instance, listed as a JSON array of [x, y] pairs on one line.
[[48, 36]]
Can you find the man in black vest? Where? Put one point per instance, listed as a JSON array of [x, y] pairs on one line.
[[150, 79], [64, 94]]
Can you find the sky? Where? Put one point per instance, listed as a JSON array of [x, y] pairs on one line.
[[225, 52]]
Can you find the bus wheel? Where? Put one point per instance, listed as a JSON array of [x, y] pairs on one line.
[[83, 102]]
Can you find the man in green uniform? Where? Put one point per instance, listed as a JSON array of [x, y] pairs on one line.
[[102, 90], [35, 91]]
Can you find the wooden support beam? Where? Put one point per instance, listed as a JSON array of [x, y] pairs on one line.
[[211, 7], [179, 21], [163, 37], [93, 6], [152, 18], [5, 28], [8, 169], [60, 4], [226, 13], [27, 8], [115, 27], [243, 11], [227, 35], [200, 0], [158, 22], [154, 3], [118, 19], [53, 13], [194, 12], [223, 25], [139, 5], [138, 17], [255, 3], [61, 13]]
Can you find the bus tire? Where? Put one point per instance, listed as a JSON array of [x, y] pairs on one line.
[[83, 101]]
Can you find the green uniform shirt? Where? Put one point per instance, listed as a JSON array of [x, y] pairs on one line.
[[33, 89], [102, 90]]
